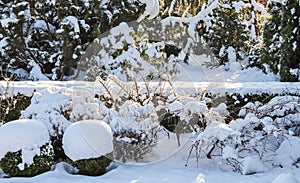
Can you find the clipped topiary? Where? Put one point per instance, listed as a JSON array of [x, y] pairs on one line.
[[88, 145], [25, 148]]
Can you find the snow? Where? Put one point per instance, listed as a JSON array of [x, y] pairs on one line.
[[36, 73], [5, 22], [252, 165], [215, 130], [87, 139], [286, 178], [288, 152], [231, 54], [151, 9], [175, 107], [25, 135], [197, 71], [41, 24], [133, 116], [73, 21], [238, 6], [171, 169]]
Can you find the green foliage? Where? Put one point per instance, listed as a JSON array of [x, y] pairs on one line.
[[290, 57], [128, 55], [11, 108], [232, 27], [227, 30], [282, 39], [271, 40], [236, 101], [42, 163], [93, 166]]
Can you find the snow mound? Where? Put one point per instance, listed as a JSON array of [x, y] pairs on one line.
[[65, 168], [288, 152], [25, 135], [87, 139], [286, 178], [252, 165]]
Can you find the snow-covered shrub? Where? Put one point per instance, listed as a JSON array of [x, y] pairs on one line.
[[89, 145], [126, 55], [235, 102], [184, 115], [20, 103], [262, 128], [86, 106], [135, 128], [58, 108], [25, 148], [11, 104], [52, 107], [133, 114], [263, 132]]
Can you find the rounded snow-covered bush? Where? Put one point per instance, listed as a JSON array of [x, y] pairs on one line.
[[89, 145], [25, 148]]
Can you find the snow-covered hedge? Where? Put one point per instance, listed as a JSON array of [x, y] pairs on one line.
[[25, 148]]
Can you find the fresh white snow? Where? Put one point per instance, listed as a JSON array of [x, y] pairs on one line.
[[151, 9]]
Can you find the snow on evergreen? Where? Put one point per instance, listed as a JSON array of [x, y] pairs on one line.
[[25, 135], [151, 10]]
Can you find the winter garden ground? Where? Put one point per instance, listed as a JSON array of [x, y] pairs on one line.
[[167, 161]]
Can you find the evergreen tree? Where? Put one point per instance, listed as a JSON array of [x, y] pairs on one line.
[[281, 50], [290, 51], [272, 37], [14, 16], [227, 30]]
